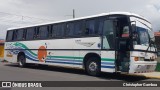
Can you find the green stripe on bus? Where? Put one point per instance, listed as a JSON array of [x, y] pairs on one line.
[[68, 57], [24, 46], [107, 59]]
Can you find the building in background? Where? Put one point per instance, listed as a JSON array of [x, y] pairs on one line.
[[157, 40], [1, 49]]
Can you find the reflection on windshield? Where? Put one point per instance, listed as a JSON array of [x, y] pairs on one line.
[[143, 36]]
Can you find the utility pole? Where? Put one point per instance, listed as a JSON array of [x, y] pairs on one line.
[[73, 13]]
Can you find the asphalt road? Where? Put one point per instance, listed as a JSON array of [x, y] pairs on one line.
[[11, 72]]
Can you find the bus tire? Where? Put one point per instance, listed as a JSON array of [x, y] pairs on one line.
[[22, 61], [93, 66]]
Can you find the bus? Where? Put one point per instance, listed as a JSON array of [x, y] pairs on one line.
[[115, 42]]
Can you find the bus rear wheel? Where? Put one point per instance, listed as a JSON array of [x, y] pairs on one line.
[[21, 61], [93, 66]]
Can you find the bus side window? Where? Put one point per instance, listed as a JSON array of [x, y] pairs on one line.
[[100, 23], [70, 29], [15, 35], [9, 36], [30, 33], [78, 27], [90, 27], [58, 30], [54, 28], [20, 34], [108, 32], [43, 32]]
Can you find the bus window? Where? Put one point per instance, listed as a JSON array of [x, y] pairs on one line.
[[30, 33], [9, 35], [20, 34], [54, 28], [90, 27], [58, 30], [15, 35], [100, 23], [70, 29], [78, 27], [43, 32], [108, 31]]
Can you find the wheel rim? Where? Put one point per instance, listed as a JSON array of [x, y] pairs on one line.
[[93, 66]]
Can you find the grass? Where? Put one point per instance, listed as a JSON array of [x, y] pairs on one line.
[[158, 67]]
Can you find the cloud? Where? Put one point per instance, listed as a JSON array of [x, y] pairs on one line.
[[53, 10], [153, 13]]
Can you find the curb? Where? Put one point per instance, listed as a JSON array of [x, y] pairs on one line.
[[153, 77], [146, 76]]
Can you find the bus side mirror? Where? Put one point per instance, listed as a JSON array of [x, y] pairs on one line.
[[134, 32], [133, 27]]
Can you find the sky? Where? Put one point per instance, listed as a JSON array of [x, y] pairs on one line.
[[15, 13]]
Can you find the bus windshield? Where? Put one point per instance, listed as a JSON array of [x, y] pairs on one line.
[[151, 34], [143, 36]]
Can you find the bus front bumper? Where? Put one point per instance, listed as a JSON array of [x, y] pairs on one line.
[[143, 67]]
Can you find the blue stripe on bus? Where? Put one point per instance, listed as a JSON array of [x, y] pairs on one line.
[[30, 58], [29, 54], [107, 66], [73, 62], [64, 62], [108, 63]]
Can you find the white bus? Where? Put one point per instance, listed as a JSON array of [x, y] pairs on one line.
[[110, 42]]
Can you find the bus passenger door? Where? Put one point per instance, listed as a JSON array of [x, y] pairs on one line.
[[115, 38], [122, 45]]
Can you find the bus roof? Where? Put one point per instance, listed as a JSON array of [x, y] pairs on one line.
[[102, 14]]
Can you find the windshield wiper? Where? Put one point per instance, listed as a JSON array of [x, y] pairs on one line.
[[151, 43]]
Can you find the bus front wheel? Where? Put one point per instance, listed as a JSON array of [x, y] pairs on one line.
[[21, 61], [93, 66]]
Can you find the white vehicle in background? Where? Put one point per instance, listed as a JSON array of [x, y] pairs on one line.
[[110, 42]]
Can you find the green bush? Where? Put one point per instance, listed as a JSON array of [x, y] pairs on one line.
[[158, 67]]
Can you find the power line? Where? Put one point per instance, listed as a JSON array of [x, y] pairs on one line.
[[22, 16]]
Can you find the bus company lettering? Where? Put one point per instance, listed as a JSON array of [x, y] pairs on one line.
[[14, 84]]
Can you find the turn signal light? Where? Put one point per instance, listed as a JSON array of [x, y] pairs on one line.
[[136, 58]]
